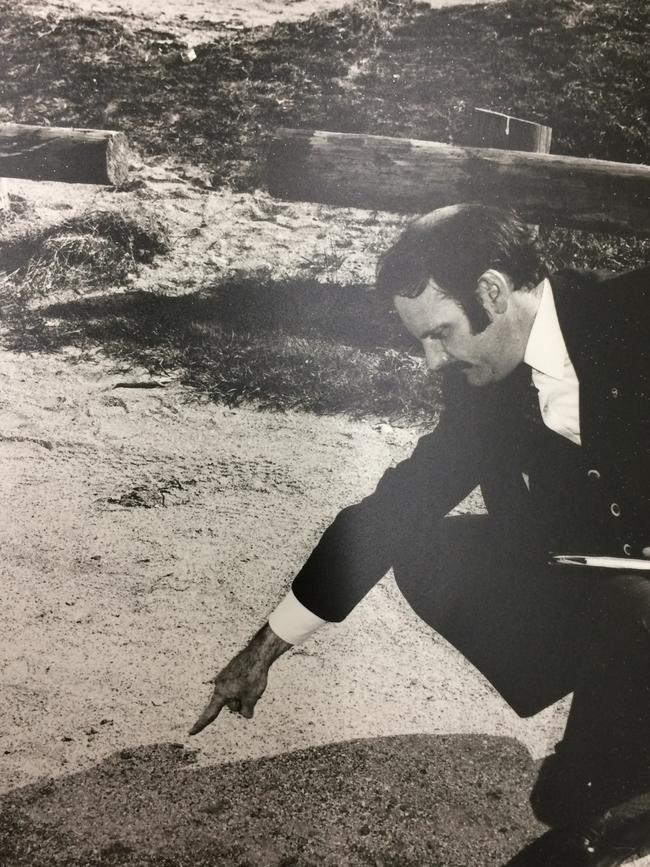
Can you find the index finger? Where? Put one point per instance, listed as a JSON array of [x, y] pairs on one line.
[[211, 712]]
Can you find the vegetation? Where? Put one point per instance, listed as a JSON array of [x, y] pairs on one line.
[[393, 67], [279, 345], [97, 249]]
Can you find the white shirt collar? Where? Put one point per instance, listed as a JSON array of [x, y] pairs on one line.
[[546, 350]]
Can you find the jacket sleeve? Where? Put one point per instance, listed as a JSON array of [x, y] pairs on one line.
[[364, 540]]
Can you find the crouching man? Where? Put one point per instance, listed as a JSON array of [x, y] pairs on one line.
[[547, 408]]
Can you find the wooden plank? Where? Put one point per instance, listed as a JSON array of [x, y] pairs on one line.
[[377, 172], [5, 204], [79, 156], [493, 129]]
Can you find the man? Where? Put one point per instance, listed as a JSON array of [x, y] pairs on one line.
[[546, 407]]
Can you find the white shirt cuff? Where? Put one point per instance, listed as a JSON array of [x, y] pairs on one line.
[[292, 622]]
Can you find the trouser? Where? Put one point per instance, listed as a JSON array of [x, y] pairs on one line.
[[538, 633]]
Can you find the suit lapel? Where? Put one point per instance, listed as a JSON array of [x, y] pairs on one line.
[[604, 324]]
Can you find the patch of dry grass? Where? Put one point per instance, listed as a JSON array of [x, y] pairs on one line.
[[89, 252]]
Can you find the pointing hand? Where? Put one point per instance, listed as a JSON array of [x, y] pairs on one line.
[[240, 684]]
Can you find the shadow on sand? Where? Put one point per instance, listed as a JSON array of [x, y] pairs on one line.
[[300, 307], [280, 345], [452, 800]]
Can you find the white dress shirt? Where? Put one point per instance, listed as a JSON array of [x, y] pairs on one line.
[[556, 381], [553, 374]]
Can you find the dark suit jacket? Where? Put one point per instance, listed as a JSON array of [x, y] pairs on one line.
[[605, 321]]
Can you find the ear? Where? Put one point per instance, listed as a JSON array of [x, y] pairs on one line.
[[494, 290]]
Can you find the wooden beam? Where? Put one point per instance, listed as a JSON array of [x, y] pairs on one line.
[[376, 172], [5, 204], [493, 129], [48, 153]]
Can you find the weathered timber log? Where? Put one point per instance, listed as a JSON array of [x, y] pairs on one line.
[[376, 172], [493, 129], [78, 156]]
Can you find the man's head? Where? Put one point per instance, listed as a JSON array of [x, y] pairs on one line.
[[461, 279]]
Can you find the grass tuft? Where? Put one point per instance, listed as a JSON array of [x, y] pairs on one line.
[[95, 250]]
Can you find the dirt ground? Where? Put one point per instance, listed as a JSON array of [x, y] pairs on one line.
[[196, 18], [146, 533]]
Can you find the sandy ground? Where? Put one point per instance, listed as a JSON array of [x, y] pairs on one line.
[[145, 533], [195, 19], [116, 612], [139, 604]]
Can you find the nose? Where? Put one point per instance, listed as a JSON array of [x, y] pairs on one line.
[[435, 356]]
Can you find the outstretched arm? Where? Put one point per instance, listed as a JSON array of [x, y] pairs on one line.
[[240, 684], [356, 550]]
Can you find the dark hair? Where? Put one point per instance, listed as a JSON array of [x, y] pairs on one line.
[[455, 246]]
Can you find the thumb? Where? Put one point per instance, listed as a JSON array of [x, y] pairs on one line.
[[247, 708], [646, 552]]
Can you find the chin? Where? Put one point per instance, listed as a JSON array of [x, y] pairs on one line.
[[478, 376], [485, 375]]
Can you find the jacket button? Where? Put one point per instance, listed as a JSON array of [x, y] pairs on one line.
[[593, 474], [614, 392], [627, 549], [615, 509]]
